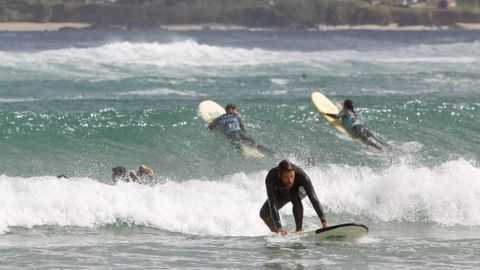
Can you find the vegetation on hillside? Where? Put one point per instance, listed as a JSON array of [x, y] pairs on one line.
[[250, 13]]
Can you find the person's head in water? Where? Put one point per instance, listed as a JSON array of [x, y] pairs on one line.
[[232, 108], [348, 104], [287, 173], [119, 173]]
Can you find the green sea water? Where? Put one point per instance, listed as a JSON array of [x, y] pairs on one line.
[[79, 103]]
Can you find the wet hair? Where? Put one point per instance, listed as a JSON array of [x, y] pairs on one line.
[[231, 106], [284, 166], [119, 173], [348, 104]]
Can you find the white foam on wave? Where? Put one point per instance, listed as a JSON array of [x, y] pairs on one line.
[[189, 57], [433, 59], [16, 100], [161, 92], [222, 207], [279, 81], [448, 194], [449, 53], [130, 55], [277, 92]]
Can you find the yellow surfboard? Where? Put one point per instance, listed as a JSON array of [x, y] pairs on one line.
[[209, 110], [323, 104]]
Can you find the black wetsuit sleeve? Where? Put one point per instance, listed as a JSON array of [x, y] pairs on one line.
[[310, 191], [335, 116], [242, 127], [214, 123], [272, 198]]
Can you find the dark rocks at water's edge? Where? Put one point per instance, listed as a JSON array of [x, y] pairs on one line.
[[145, 14]]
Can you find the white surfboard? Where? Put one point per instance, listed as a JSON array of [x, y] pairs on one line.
[[209, 110], [349, 232]]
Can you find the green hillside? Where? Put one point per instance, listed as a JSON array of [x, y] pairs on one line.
[[250, 13]]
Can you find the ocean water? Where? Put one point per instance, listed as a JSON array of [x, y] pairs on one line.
[[79, 103]]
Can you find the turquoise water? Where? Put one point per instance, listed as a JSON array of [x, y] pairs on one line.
[[81, 102]]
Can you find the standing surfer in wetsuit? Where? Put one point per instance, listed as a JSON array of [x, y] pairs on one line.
[[231, 125], [288, 183], [351, 122]]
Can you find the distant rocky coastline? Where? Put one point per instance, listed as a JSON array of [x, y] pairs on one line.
[[229, 14]]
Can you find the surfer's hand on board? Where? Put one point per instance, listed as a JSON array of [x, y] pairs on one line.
[[282, 231], [324, 223]]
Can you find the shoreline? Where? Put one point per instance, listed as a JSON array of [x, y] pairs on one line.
[[395, 27], [203, 26], [32, 26], [37, 27]]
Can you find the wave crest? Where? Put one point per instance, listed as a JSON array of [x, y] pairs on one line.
[[448, 194]]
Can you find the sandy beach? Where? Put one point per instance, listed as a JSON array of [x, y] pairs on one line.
[[390, 27], [203, 26], [470, 26], [395, 27], [30, 26]]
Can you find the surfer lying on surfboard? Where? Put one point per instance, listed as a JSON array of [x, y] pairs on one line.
[[288, 183], [231, 125], [352, 123], [120, 173]]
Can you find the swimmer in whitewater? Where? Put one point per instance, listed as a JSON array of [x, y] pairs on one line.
[[120, 173]]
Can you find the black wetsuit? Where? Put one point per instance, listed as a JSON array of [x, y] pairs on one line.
[[120, 174], [279, 196], [357, 129], [233, 128]]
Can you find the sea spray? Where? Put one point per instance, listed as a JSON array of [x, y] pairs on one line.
[[448, 195]]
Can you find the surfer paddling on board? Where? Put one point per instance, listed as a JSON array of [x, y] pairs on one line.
[[232, 126], [288, 183], [351, 122], [120, 173]]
